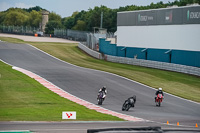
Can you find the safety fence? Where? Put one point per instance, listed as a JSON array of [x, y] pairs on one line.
[[23, 30], [91, 40], [71, 34], [87, 38], [145, 63]]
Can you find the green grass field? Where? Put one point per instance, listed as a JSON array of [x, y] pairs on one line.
[[24, 99], [15, 98]]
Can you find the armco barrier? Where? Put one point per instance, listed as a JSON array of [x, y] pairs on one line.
[[146, 63], [90, 52]]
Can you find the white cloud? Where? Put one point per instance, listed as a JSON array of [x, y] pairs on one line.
[[22, 5]]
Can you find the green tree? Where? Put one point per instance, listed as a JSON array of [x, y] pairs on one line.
[[70, 22], [54, 17], [81, 25], [35, 18], [51, 25], [55, 21], [36, 8], [15, 18], [75, 14], [2, 17]]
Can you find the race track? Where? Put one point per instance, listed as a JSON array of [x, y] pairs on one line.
[[85, 83]]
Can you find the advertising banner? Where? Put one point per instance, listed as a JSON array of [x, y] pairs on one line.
[[146, 18], [168, 16], [68, 115], [191, 15]]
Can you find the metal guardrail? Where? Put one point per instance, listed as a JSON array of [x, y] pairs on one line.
[[146, 63], [90, 52], [155, 64], [71, 34], [22, 30]]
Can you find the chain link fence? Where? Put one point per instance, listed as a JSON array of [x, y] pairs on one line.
[[91, 40], [22, 30], [110, 35], [71, 34]]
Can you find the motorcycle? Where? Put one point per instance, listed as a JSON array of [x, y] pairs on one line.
[[100, 97], [128, 104], [159, 99]]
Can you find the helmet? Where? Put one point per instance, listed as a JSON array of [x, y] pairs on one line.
[[104, 87], [159, 89]]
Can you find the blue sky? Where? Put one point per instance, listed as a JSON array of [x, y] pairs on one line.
[[65, 8]]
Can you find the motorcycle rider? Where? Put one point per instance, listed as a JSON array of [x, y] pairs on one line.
[[131, 101], [159, 91], [104, 91]]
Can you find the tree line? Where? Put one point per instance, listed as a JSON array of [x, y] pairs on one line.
[[21, 17], [83, 20]]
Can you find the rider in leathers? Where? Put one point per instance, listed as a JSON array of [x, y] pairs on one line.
[[131, 100], [104, 90], [159, 91]]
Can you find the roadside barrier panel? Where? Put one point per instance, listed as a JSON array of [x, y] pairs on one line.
[[146, 63]]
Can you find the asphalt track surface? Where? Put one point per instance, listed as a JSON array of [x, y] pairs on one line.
[[81, 127], [85, 83]]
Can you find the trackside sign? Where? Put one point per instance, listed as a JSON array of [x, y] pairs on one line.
[[166, 16], [68, 115]]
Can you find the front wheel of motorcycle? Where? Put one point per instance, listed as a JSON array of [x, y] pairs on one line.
[[127, 107], [159, 103], [100, 101], [123, 108]]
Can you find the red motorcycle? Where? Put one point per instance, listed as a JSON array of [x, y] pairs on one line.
[[159, 99]]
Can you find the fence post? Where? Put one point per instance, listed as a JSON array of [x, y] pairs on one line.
[[22, 29]]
